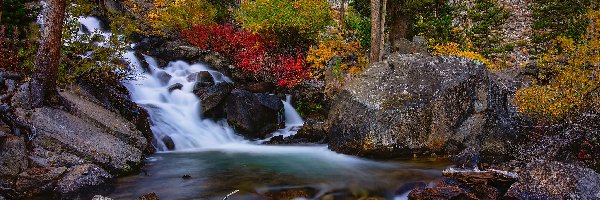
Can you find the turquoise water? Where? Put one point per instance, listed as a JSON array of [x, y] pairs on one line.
[[255, 170]]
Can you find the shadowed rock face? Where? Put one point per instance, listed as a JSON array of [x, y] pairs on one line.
[[69, 151], [253, 115], [420, 104]]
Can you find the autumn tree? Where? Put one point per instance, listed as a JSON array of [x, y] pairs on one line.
[[43, 83], [378, 10]]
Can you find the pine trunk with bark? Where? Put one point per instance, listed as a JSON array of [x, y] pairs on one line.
[[378, 9], [1, 7], [398, 22], [43, 84]]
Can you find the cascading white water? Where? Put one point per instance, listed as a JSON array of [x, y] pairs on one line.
[[176, 114], [216, 149]]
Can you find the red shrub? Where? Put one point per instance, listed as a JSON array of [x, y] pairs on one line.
[[249, 52]]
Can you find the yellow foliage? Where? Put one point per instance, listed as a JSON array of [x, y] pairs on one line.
[[165, 16], [349, 53], [453, 49], [568, 81]]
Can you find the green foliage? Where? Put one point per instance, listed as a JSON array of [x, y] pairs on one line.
[[553, 18], [89, 54], [486, 16], [290, 21], [18, 12], [223, 10], [360, 26]]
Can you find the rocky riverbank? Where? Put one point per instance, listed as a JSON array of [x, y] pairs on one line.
[[62, 152]]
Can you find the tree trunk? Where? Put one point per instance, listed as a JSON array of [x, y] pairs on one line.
[[43, 83], [342, 14], [1, 7], [377, 29], [398, 23]]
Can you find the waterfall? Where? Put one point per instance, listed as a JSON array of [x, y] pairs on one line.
[[176, 114]]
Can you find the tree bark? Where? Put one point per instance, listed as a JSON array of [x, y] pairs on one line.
[[398, 23], [43, 84], [1, 7], [377, 29]]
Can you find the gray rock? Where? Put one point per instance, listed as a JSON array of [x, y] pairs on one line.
[[168, 141], [149, 196], [100, 197], [163, 77], [60, 131], [213, 98], [12, 156], [412, 104], [555, 180], [176, 86], [82, 176], [204, 78], [253, 114]]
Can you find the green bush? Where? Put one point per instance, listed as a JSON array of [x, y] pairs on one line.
[[553, 18], [83, 56], [290, 21], [360, 26]]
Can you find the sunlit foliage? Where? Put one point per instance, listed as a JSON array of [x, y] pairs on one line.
[[453, 49], [336, 53], [568, 83], [290, 21], [175, 15]]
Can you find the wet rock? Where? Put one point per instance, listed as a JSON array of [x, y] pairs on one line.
[[260, 87], [289, 193], [253, 115], [163, 77], [467, 159], [203, 78], [59, 131], [12, 156], [114, 96], [82, 176], [412, 104], [34, 181], [555, 180], [176, 86], [168, 141], [441, 192], [213, 99], [493, 177], [149, 196], [410, 186], [312, 130], [187, 176], [100, 197]]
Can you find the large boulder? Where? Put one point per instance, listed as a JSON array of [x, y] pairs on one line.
[[542, 179], [417, 104], [64, 152], [254, 115], [213, 98]]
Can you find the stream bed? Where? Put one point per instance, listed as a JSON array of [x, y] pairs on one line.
[[261, 171]]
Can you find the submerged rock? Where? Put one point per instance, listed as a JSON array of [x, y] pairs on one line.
[[411, 104], [253, 115], [176, 86], [168, 141]]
